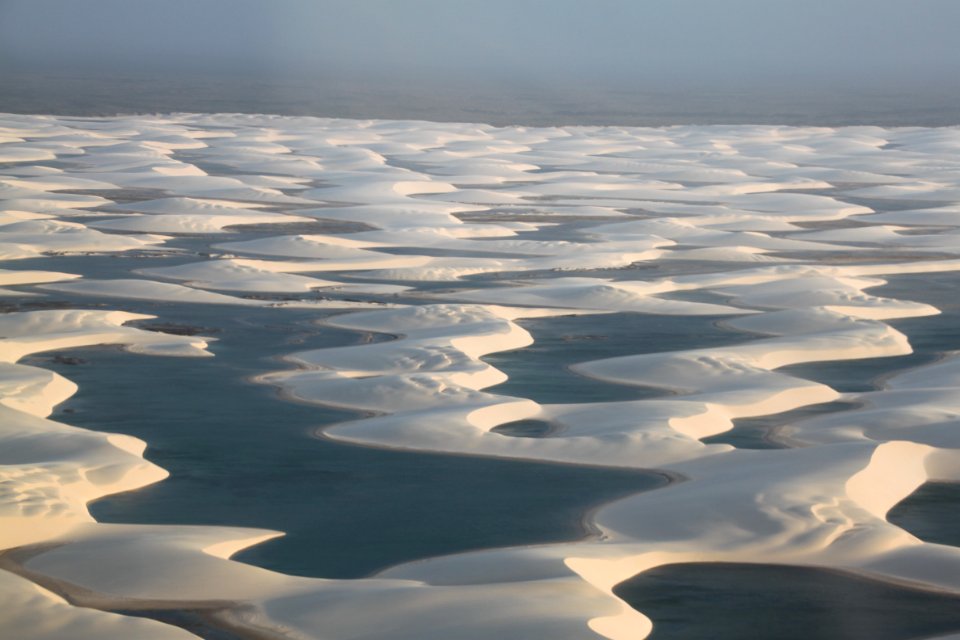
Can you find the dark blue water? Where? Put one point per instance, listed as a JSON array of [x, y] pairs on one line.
[[238, 455], [761, 432], [525, 429], [718, 601], [541, 371], [930, 336], [931, 513], [856, 376]]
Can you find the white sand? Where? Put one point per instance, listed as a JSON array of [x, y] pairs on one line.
[[485, 200]]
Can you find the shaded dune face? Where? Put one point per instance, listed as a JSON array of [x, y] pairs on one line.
[[761, 314]]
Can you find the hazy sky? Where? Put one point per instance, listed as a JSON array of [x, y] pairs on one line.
[[742, 41]]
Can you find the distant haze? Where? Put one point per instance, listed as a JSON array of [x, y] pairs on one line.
[[340, 55]]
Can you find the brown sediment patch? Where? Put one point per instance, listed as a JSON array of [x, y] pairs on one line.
[[297, 227], [546, 216], [210, 620], [529, 428], [120, 196], [823, 225], [176, 329], [865, 254], [15, 561], [7, 306]]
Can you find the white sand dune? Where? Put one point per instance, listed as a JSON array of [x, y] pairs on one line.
[[199, 206], [701, 221], [32, 238], [304, 246], [238, 275], [601, 295]]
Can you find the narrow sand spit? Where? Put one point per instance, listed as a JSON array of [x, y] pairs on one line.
[[494, 226]]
